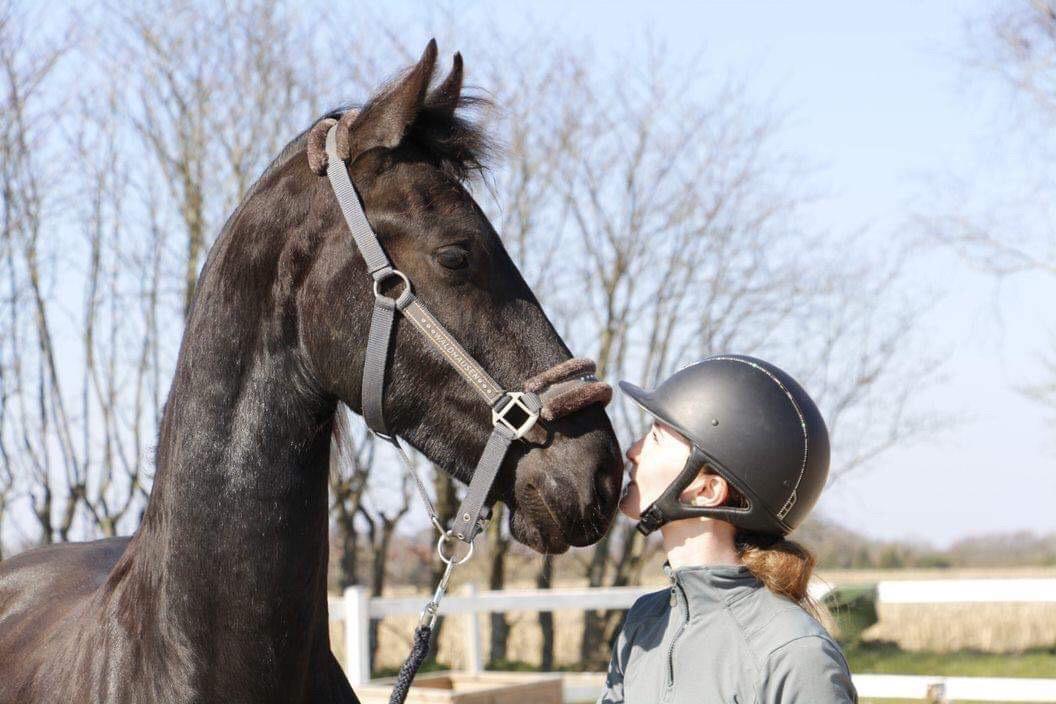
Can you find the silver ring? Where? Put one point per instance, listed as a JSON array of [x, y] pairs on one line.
[[394, 272], [444, 537]]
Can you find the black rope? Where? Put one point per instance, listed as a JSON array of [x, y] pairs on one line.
[[419, 649]]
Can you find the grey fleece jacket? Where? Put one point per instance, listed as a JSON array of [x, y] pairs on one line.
[[719, 635]]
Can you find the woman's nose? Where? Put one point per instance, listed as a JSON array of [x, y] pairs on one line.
[[634, 450]]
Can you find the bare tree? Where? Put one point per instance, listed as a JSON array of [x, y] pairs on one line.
[[7, 474], [118, 395], [381, 527], [211, 92], [37, 420], [217, 89], [1010, 233], [352, 456], [683, 216]]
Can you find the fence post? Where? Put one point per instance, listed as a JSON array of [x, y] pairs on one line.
[[937, 692], [474, 648], [357, 635]]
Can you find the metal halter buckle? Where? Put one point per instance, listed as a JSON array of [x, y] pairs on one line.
[[498, 415]]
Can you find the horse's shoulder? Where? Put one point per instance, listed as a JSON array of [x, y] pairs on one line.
[[69, 564], [40, 589], [54, 576]]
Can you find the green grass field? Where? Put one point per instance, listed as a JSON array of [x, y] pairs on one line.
[[890, 660]]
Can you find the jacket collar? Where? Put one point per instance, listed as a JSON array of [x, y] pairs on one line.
[[706, 588]]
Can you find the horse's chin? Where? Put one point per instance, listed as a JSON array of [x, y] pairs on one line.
[[540, 533]]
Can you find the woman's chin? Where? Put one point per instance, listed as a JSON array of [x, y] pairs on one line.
[[630, 502]]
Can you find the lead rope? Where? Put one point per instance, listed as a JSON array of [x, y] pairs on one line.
[[423, 633]]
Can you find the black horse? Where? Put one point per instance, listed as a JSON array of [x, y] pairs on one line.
[[220, 596]]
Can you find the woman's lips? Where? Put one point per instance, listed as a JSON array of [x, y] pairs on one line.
[[630, 482]]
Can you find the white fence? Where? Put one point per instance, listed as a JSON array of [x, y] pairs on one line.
[[357, 607]]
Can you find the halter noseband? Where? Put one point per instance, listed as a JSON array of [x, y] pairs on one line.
[[564, 388]]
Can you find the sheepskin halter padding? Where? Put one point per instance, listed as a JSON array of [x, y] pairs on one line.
[[316, 147], [567, 387]]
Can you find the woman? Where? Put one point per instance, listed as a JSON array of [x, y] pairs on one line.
[[735, 459]]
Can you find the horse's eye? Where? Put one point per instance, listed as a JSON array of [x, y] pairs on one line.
[[453, 257]]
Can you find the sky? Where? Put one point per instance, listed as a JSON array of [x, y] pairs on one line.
[[881, 102]]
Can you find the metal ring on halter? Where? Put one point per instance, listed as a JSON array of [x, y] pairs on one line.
[[444, 537], [382, 276]]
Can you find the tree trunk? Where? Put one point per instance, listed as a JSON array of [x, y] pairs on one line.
[[545, 580], [593, 621], [500, 627], [42, 511], [348, 572], [377, 579], [192, 215], [446, 505]]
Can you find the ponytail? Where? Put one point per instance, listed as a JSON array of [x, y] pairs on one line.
[[783, 566]]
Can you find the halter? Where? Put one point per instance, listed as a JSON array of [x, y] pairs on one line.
[[565, 388]]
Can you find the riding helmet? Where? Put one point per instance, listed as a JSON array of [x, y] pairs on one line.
[[754, 425]]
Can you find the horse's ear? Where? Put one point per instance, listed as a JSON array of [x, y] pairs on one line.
[[384, 120], [445, 96]]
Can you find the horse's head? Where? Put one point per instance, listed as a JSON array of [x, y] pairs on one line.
[[408, 153]]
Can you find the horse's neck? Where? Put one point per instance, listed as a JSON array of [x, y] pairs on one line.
[[233, 544]]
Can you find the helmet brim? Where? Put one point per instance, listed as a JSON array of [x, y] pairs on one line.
[[648, 402], [640, 395]]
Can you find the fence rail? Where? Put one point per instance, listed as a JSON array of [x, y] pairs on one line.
[[356, 608], [938, 591]]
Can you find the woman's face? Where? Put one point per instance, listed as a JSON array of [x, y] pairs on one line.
[[656, 459]]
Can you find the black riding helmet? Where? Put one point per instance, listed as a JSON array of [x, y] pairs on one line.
[[754, 425]]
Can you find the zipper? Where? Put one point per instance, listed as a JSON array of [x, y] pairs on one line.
[[678, 633]]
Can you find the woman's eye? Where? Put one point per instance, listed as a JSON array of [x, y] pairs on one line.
[[453, 257]]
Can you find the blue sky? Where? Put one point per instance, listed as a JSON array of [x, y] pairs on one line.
[[882, 103]]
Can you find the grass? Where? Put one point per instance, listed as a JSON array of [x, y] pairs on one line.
[[889, 659]]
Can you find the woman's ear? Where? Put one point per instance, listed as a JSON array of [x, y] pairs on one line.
[[706, 490]]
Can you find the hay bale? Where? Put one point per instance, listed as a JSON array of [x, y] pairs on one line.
[[943, 628]]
